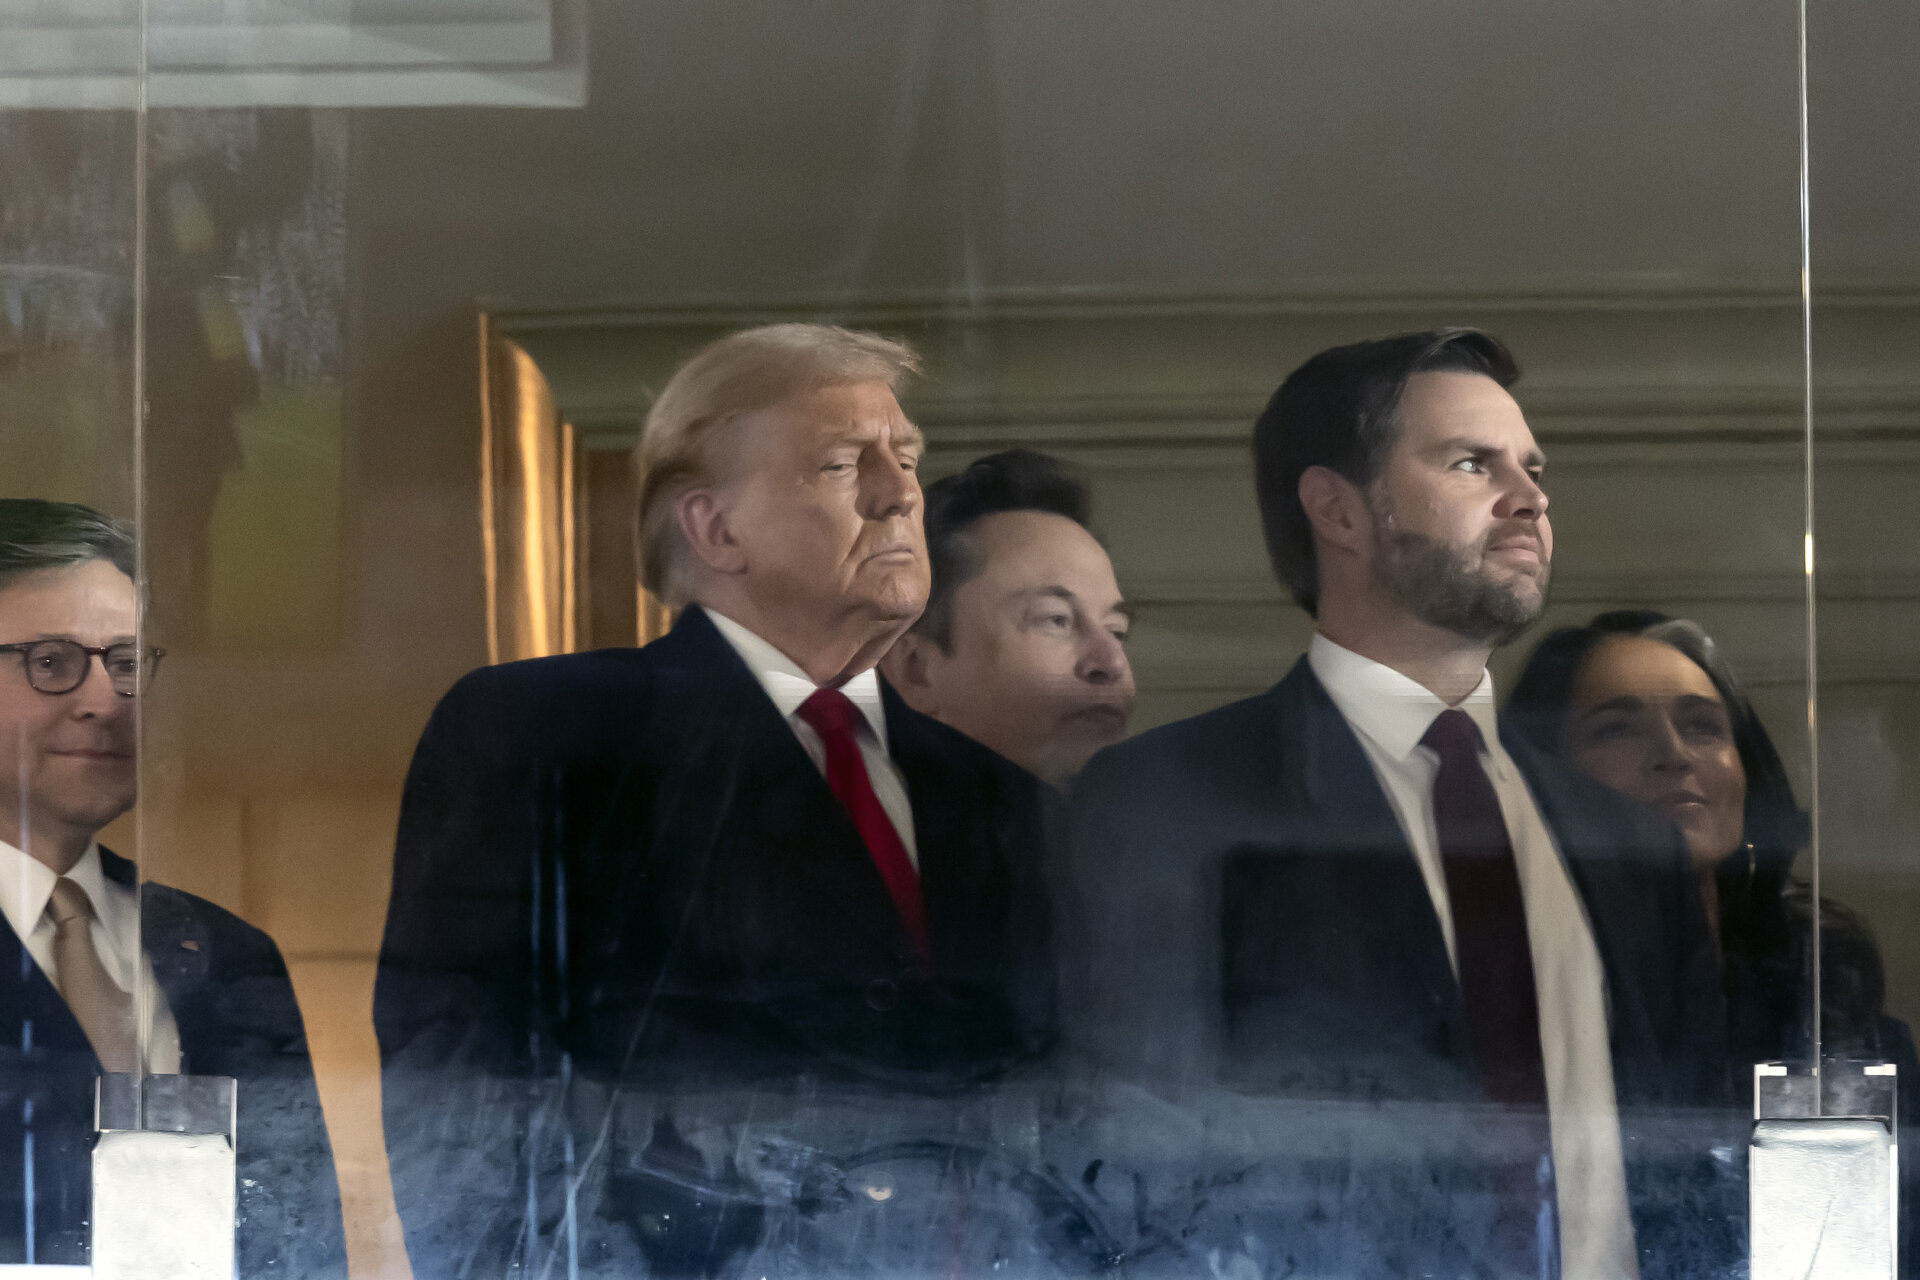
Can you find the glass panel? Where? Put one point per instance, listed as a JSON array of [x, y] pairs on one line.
[[69, 208], [245, 520], [1864, 458], [666, 985]]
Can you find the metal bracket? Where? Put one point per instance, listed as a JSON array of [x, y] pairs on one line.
[[163, 1178], [1823, 1184]]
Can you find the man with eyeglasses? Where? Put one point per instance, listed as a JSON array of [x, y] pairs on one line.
[[98, 972]]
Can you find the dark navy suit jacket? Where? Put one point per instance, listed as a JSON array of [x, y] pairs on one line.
[[619, 882], [228, 991], [1251, 919]]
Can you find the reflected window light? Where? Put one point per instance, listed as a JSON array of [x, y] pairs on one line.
[[383, 53]]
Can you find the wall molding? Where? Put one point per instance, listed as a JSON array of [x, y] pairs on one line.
[[1633, 362], [1229, 681], [256, 53], [1570, 293], [1667, 408], [1569, 588]]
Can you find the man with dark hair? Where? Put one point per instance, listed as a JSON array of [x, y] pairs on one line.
[[1349, 890], [1338, 412], [87, 945], [1022, 646]]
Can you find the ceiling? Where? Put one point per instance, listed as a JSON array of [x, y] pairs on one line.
[[737, 148]]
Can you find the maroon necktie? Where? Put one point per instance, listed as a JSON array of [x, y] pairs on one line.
[[1495, 964], [837, 721], [1489, 916]]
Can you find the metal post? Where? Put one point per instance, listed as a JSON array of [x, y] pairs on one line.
[[163, 1178], [1823, 1177]]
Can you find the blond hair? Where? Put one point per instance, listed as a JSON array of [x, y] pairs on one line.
[[735, 375]]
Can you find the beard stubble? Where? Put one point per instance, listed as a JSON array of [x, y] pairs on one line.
[[1451, 587]]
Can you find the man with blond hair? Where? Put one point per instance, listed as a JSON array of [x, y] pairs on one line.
[[659, 914]]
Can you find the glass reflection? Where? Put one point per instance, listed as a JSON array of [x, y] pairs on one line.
[[1350, 894], [108, 974], [615, 1030], [1022, 645], [1229, 1014], [71, 965]]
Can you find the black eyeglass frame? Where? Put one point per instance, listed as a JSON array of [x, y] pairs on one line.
[[149, 664]]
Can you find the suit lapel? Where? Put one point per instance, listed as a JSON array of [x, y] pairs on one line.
[[47, 1073], [791, 838], [953, 830], [1335, 783], [176, 944], [32, 1011], [174, 940], [1610, 879], [1333, 779]]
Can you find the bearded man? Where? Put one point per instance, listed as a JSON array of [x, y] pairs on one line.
[[1348, 890]]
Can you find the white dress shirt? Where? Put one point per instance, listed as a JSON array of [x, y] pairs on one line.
[[26, 885], [789, 686], [1390, 713]]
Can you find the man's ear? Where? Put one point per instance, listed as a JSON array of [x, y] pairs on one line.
[[708, 531], [908, 668], [1335, 508]]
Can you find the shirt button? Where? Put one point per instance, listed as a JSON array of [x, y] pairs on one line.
[[883, 995]]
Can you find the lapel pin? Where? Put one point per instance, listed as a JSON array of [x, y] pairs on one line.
[[189, 944]]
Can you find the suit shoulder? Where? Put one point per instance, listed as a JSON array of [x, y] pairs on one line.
[[944, 739], [166, 910], [954, 750], [1208, 743], [560, 698], [594, 673]]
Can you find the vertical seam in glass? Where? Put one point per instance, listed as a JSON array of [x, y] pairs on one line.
[[1813, 638], [142, 990], [489, 539]]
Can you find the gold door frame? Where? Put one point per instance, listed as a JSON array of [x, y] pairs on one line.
[[534, 504]]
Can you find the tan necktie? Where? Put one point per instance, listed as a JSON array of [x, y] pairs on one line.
[[102, 1009]]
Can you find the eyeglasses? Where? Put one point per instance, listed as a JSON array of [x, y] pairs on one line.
[[61, 666]]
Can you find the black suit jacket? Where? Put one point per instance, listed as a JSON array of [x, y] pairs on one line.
[[1254, 922], [620, 877], [228, 991]]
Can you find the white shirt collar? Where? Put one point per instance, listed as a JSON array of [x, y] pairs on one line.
[[27, 883], [1392, 709], [789, 686]]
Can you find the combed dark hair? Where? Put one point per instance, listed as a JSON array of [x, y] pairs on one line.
[[1338, 410], [37, 534], [1012, 480]]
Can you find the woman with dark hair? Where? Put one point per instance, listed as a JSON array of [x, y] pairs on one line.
[[1645, 704]]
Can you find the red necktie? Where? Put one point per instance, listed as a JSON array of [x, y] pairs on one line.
[[837, 721]]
